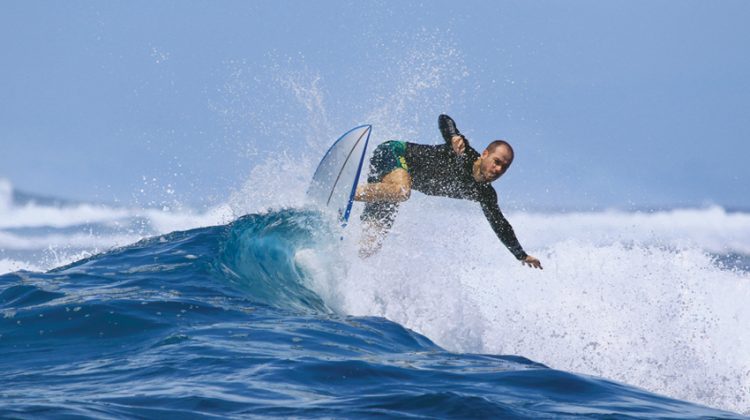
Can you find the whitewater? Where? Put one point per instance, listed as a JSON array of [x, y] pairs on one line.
[[652, 299]]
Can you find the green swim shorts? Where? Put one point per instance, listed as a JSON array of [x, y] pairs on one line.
[[386, 158]]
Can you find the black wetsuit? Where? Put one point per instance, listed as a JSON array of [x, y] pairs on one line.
[[437, 170]]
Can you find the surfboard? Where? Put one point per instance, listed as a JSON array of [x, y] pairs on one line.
[[335, 181]]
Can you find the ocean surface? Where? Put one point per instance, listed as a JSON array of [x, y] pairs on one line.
[[117, 312]]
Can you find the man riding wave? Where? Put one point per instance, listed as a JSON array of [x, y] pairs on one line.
[[453, 169]]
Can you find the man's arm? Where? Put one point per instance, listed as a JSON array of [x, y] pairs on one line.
[[504, 230], [457, 142]]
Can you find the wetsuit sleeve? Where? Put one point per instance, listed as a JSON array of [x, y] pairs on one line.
[[500, 225], [448, 129]]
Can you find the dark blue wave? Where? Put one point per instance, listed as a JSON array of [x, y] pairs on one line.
[[218, 321]]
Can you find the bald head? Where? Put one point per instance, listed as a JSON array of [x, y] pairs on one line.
[[493, 162], [501, 143]]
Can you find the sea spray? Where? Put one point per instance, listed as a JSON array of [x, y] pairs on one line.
[[626, 298]]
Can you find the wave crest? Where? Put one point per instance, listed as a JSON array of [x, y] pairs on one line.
[[260, 256]]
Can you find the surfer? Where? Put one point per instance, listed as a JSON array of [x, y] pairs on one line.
[[453, 169]]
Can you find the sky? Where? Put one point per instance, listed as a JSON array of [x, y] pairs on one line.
[[624, 104]]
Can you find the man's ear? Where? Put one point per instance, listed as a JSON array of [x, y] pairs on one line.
[[485, 154]]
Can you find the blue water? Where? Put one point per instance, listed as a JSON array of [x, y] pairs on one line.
[[221, 322]]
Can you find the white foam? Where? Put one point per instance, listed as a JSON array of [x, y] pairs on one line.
[[169, 221], [711, 229], [628, 296], [9, 265], [33, 215], [323, 267], [57, 235]]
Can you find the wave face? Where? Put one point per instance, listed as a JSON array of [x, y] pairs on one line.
[[244, 319]]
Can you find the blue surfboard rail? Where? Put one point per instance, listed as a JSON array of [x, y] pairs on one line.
[[356, 177]]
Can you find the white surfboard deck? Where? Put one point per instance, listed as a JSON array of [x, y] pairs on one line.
[[335, 181]]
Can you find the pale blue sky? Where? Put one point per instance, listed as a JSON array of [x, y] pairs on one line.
[[616, 103]]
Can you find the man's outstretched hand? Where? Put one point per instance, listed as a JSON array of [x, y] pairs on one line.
[[458, 142], [532, 262]]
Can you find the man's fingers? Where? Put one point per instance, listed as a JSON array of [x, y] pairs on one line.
[[533, 263], [458, 144]]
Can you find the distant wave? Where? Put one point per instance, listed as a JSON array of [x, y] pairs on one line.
[[23, 210], [713, 229], [39, 232]]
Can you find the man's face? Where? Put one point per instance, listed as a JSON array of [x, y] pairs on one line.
[[493, 165]]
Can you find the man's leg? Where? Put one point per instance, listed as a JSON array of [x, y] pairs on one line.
[[381, 208], [393, 188]]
